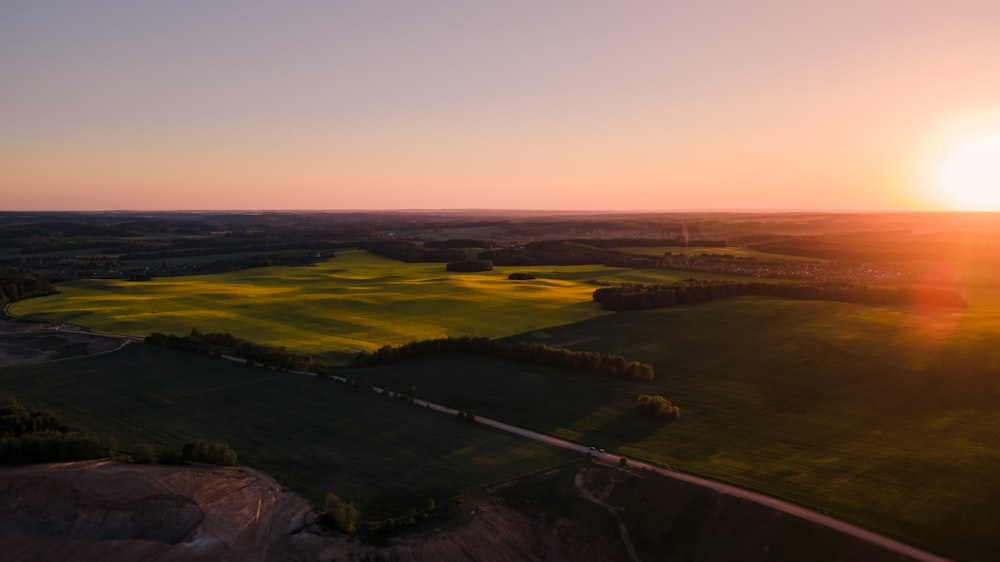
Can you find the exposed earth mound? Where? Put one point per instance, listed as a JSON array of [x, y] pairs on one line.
[[28, 342], [103, 511], [97, 511]]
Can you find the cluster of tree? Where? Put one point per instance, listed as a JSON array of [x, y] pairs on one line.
[[215, 343], [470, 266], [642, 297], [340, 515], [516, 276], [412, 253], [656, 406], [459, 243], [209, 452], [36, 436], [610, 365], [15, 285]]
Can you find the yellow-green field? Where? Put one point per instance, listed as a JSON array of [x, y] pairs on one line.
[[352, 302]]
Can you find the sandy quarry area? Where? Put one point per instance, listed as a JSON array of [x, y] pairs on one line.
[[29, 342]]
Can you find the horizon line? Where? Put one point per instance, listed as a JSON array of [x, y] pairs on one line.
[[515, 210]]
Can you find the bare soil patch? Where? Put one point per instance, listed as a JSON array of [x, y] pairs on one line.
[[98, 510], [28, 342]]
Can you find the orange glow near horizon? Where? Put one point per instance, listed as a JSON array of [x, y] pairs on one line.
[[523, 105]]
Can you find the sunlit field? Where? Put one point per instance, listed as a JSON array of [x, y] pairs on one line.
[[355, 301]]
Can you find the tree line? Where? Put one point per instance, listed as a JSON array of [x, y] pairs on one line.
[[216, 343], [605, 364], [642, 297], [38, 436]]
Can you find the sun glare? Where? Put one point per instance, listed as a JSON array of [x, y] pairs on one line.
[[968, 179]]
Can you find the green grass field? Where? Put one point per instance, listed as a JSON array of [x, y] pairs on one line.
[[885, 417], [312, 435], [355, 301]]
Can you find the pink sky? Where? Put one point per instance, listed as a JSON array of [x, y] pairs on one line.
[[617, 105]]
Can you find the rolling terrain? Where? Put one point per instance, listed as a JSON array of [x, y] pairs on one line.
[[883, 416]]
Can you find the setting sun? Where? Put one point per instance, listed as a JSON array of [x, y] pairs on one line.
[[968, 178]]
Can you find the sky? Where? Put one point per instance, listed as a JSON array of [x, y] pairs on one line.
[[507, 104]]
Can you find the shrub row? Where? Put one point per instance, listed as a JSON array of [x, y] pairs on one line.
[[215, 343], [610, 365]]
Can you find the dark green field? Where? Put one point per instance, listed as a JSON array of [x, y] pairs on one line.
[[312, 435], [831, 405]]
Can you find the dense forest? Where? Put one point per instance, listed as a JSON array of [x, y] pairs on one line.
[[691, 291], [15, 285]]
